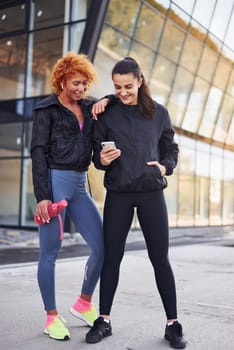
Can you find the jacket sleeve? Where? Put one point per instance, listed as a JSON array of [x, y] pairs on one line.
[[168, 147], [39, 152], [98, 137]]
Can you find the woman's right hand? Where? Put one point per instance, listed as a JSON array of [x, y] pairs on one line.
[[108, 154], [42, 210]]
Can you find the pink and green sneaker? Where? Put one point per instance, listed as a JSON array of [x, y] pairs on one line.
[[85, 311], [55, 328]]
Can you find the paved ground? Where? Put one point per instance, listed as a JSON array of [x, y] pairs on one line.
[[205, 285]]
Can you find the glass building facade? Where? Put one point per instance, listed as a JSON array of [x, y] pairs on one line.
[[185, 48]]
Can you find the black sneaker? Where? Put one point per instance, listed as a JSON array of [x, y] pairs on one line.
[[174, 335], [100, 330]]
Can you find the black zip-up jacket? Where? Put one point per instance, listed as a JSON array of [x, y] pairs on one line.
[[58, 142], [140, 140]]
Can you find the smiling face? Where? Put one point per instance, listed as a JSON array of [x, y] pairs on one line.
[[126, 87], [75, 86]]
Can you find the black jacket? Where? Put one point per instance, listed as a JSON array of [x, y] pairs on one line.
[[140, 140], [58, 142]]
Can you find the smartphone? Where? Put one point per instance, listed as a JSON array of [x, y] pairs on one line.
[[109, 144]]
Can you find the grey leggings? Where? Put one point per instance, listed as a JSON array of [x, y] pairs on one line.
[[71, 186], [152, 215]]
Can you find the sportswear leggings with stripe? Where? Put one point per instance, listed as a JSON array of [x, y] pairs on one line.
[[152, 214], [70, 185]]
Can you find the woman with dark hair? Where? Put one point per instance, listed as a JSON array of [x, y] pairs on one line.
[[61, 152], [135, 178]]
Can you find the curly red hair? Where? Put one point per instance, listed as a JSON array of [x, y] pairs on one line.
[[69, 65]]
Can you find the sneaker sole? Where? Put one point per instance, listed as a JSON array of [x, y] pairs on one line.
[[81, 317], [52, 337], [172, 345]]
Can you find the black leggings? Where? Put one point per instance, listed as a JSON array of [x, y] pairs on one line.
[[152, 215]]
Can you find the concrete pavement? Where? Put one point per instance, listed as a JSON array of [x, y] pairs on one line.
[[205, 287]]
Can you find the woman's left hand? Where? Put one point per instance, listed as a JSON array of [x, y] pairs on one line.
[[161, 167], [99, 107]]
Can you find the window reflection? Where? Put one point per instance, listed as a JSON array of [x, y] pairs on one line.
[[47, 14], [207, 64], [148, 20], [222, 73], [179, 96], [195, 105], [12, 65], [191, 53], [12, 18], [210, 112], [224, 119], [171, 42], [160, 83], [203, 11]]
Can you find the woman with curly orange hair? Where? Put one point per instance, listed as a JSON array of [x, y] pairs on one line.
[[61, 151]]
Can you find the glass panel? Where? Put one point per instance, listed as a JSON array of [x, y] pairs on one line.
[[47, 14], [181, 13], [144, 57], [10, 191], [179, 95], [47, 48], [221, 17], [171, 42], [195, 105], [149, 27], [28, 201], [127, 15], [191, 53], [186, 186], [216, 173], [79, 9], [12, 18], [228, 190], [229, 35], [185, 5], [203, 11], [12, 67], [210, 112], [77, 31], [171, 198], [114, 43], [230, 138], [222, 73], [230, 89], [208, 63], [10, 139], [202, 184], [224, 119], [160, 83]]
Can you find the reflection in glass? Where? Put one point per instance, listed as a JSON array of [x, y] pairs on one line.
[[144, 57], [172, 41], [220, 18], [12, 66], [47, 48], [160, 83], [10, 139], [46, 13], [195, 105], [10, 191], [149, 27], [210, 112], [203, 11], [12, 18], [222, 73], [216, 177], [123, 15], [190, 57], [230, 137], [228, 189], [185, 5], [207, 64], [179, 96], [224, 119]]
